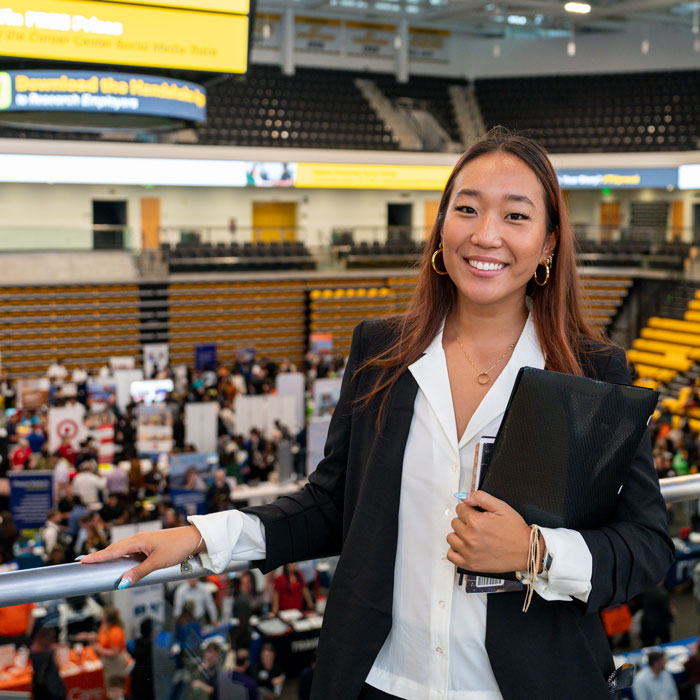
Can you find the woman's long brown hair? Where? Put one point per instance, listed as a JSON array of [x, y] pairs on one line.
[[557, 308]]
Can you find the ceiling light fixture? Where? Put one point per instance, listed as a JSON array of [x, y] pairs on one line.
[[581, 8], [571, 48], [645, 46]]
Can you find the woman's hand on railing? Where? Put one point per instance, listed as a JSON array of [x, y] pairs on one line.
[[161, 549]]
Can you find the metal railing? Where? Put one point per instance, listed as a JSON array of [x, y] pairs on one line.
[[66, 580]]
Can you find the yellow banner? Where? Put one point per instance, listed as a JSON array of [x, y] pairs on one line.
[[105, 32], [372, 177], [230, 7]]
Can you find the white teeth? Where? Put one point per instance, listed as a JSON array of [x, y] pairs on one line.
[[486, 266]]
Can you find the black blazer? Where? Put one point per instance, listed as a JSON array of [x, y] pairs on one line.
[[351, 505]]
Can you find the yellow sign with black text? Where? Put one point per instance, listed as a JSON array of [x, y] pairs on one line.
[[106, 32], [372, 177]]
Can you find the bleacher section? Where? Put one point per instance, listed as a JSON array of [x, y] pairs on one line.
[[633, 253], [375, 254], [657, 111], [235, 257], [266, 315], [91, 323], [311, 109], [76, 323]]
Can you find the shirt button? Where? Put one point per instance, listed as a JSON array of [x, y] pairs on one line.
[[441, 603], [448, 512], [438, 650], [443, 557]]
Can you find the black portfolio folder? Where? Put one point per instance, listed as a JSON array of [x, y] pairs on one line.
[[564, 448]]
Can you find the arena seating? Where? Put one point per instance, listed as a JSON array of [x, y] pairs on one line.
[[87, 324], [633, 253], [81, 324], [311, 109], [246, 257], [598, 113], [375, 254]]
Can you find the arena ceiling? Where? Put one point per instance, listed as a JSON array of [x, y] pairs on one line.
[[499, 19]]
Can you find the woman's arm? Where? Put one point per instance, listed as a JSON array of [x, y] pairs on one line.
[[304, 525], [635, 550]]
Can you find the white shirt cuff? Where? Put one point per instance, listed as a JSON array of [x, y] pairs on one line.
[[230, 536], [570, 574]]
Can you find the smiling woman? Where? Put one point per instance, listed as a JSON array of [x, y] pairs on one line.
[[420, 393]]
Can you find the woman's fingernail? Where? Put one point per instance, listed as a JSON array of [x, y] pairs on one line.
[[80, 557], [124, 583], [461, 495]]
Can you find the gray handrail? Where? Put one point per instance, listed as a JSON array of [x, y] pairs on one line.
[[66, 580]]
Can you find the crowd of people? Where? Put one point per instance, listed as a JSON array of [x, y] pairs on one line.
[[89, 501]]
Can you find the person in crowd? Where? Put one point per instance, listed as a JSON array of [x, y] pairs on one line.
[[194, 482], [117, 480], [142, 686], [9, 533], [51, 532], [654, 682], [239, 676], [113, 509], [36, 439], [203, 684], [47, 683], [87, 485], [79, 619], [88, 453], [62, 469], [42, 460], [135, 477], [21, 454], [57, 372], [111, 644], [16, 624], [657, 615], [95, 540], [219, 494], [497, 289], [115, 688], [56, 556], [171, 518], [196, 592], [306, 679], [91, 525], [153, 480], [268, 675], [291, 591], [66, 450]]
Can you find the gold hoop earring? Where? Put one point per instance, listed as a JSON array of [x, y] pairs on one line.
[[432, 262], [547, 266]]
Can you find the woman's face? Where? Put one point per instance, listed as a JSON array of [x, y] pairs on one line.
[[494, 230]]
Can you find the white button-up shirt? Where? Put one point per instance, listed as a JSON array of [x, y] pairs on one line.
[[436, 647]]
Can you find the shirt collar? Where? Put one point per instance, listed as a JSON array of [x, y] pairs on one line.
[[430, 373]]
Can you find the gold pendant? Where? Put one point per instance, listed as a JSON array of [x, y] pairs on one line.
[[483, 378]]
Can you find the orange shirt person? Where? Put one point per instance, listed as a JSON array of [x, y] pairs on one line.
[[16, 623]]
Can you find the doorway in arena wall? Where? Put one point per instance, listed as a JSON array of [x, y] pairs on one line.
[[150, 223], [399, 219], [274, 221], [108, 224]]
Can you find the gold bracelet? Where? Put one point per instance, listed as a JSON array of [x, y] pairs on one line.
[[186, 566], [534, 555]]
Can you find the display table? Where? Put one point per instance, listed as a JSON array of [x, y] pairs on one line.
[[295, 641], [80, 672], [264, 492]]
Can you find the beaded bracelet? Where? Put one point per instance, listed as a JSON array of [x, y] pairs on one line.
[[534, 555]]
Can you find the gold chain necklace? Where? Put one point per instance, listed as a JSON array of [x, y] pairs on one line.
[[482, 376]]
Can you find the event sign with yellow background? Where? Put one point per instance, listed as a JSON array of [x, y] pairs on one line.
[[110, 32], [97, 91]]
